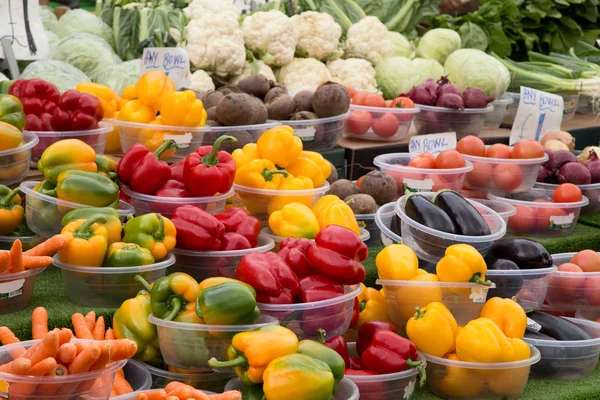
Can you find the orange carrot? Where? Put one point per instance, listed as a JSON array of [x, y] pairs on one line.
[[173, 385], [182, 392], [199, 395], [114, 350], [81, 329], [44, 367], [48, 389], [66, 353], [85, 359], [16, 256], [113, 393], [158, 395], [59, 370], [48, 348], [90, 320], [98, 331], [109, 335], [39, 323], [47, 248], [7, 336], [174, 398], [20, 366], [30, 262], [230, 395], [121, 386], [64, 335], [4, 262]]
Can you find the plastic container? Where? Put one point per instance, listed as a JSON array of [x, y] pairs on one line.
[[138, 376], [16, 290], [537, 215], [132, 396], [586, 106], [319, 134], [371, 227], [144, 204], [489, 174], [108, 287], [573, 291], [207, 380], [504, 210], [333, 315], [347, 390], [376, 126], [28, 242], [440, 119], [44, 213], [420, 179], [389, 224], [570, 102], [494, 119], [591, 191], [96, 138], [527, 286], [14, 163], [266, 231], [206, 264], [190, 346], [451, 379], [430, 244], [258, 201], [509, 116], [90, 385], [244, 134]]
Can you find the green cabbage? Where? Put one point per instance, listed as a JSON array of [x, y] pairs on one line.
[[52, 38], [49, 20], [425, 69], [120, 76], [81, 21], [403, 47], [472, 68], [61, 74], [89, 53], [437, 44], [395, 75]]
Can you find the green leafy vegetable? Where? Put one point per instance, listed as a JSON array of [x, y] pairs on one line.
[[471, 68], [61, 74]]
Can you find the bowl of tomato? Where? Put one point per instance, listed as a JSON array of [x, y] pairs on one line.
[[381, 123], [319, 134]]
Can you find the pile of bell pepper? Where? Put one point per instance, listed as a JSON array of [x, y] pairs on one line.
[[12, 121]]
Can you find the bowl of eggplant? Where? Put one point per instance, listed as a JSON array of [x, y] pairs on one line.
[[431, 222], [389, 224]]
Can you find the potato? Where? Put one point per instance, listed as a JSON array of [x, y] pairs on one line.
[[201, 95], [227, 89], [333, 177], [380, 186], [211, 113], [263, 114], [274, 92], [330, 100], [343, 188], [281, 107], [237, 109], [303, 115], [362, 204], [303, 100], [256, 85], [212, 99]]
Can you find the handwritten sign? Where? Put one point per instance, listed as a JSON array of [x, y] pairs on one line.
[[435, 143], [174, 61], [538, 113], [20, 22]]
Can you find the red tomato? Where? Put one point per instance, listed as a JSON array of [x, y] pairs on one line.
[[498, 150], [439, 183], [473, 194], [449, 159], [471, 145], [385, 125], [523, 221], [359, 181], [587, 260], [544, 215], [359, 98], [567, 193], [564, 288], [402, 102], [508, 176], [527, 149], [423, 160], [373, 100], [388, 103], [481, 176], [591, 289], [358, 122], [351, 91]]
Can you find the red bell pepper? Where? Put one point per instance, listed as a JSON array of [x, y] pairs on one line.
[[356, 364], [337, 343], [294, 252], [359, 372], [273, 280], [173, 188], [343, 241], [39, 100], [77, 111], [335, 265], [208, 171], [239, 221], [129, 161], [41, 123], [197, 229], [367, 330], [319, 287], [390, 353], [142, 171], [177, 170], [355, 313], [234, 241]]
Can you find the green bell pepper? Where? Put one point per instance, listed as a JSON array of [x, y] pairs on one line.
[[121, 254], [252, 392], [11, 111], [22, 230], [230, 303], [152, 231], [106, 166], [5, 86], [89, 188], [45, 188], [329, 356], [86, 212]]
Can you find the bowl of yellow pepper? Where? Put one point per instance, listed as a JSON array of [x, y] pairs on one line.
[[14, 161]]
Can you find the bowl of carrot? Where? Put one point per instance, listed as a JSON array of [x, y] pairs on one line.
[[181, 391]]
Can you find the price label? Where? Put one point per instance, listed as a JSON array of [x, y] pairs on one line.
[[182, 141], [174, 61], [11, 289], [21, 24], [306, 134], [435, 143], [538, 113], [531, 324], [560, 222]]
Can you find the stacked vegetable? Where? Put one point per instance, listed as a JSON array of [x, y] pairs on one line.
[[576, 284], [563, 166], [444, 94]]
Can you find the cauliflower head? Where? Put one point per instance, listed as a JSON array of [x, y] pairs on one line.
[[303, 72], [215, 43], [199, 8], [271, 36], [354, 72], [369, 39], [252, 69], [201, 81], [319, 35]]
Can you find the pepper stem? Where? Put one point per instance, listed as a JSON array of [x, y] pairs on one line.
[[8, 198], [84, 231], [295, 315], [159, 234], [321, 335], [239, 361], [163, 147], [477, 279], [420, 313], [268, 174], [412, 363], [211, 160], [143, 282], [362, 305], [176, 304]]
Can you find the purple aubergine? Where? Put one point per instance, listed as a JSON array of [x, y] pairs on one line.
[[559, 158], [573, 172], [593, 165], [422, 95], [450, 100], [475, 98]]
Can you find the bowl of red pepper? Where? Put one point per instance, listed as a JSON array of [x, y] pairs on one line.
[[364, 236], [14, 163]]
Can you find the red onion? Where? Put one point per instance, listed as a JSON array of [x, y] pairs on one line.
[[450, 100], [475, 98], [593, 165], [559, 158], [447, 88], [432, 86], [573, 172], [422, 95], [545, 175]]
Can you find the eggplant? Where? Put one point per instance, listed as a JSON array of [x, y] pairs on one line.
[[526, 253], [533, 334], [466, 219], [423, 211], [557, 327], [506, 286], [396, 225]]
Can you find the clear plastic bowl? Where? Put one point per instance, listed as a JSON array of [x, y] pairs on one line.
[[319, 134], [28, 242], [451, 379], [591, 191], [464, 299], [387, 221], [544, 219], [190, 346], [440, 119], [527, 286], [96, 138], [16, 290], [359, 126], [14, 163], [207, 380], [570, 102], [206, 264], [587, 106], [44, 213], [568, 359], [90, 385], [573, 291], [333, 315], [420, 179], [494, 119], [105, 286], [347, 390], [144, 203], [257, 201], [503, 209], [132, 396], [371, 228], [266, 231], [244, 134], [430, 244], [138, 376], [489, 174]]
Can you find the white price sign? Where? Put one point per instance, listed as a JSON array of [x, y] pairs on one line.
[[538, 113], [21, 24], [435, 143], [174, 61]]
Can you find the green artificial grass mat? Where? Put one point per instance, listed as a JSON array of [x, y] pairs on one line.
[[583, 237], [590, 220]]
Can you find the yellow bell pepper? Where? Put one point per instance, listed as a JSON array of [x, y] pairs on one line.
[[246, 154], [152, 87], [113, 139], [109, 99], [294, 220], [457, 382], [181, 109], [433, 329], [10, 136], [153, 138], [127, 95], [481, 340], [311, 165], [279, 145], [330, 210], [260, 173], [462, 263], [291, 183], [397, 262], [136, 111], [507, 314], [408, 298], [87, 242], [373, 306]]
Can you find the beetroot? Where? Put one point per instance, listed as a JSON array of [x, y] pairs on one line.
[[450, 100], [422, 95], [573, 172], [475, 98], [559, 158], [593, 165]]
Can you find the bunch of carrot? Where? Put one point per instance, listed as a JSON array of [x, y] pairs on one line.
[[181, 391], [15, 260]]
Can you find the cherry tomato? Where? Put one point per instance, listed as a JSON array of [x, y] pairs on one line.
[[591, 289], [385, 125], [523, 221], [423, 160], [498, 150], [508, 176], [449, 159], [359, 98], [527, 149], [565, 287], [402, 102], [544, 215], [471, 145], [567, 193], [358, 122], [359, 181], [351, 91], [481, 176], [373, 100]]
